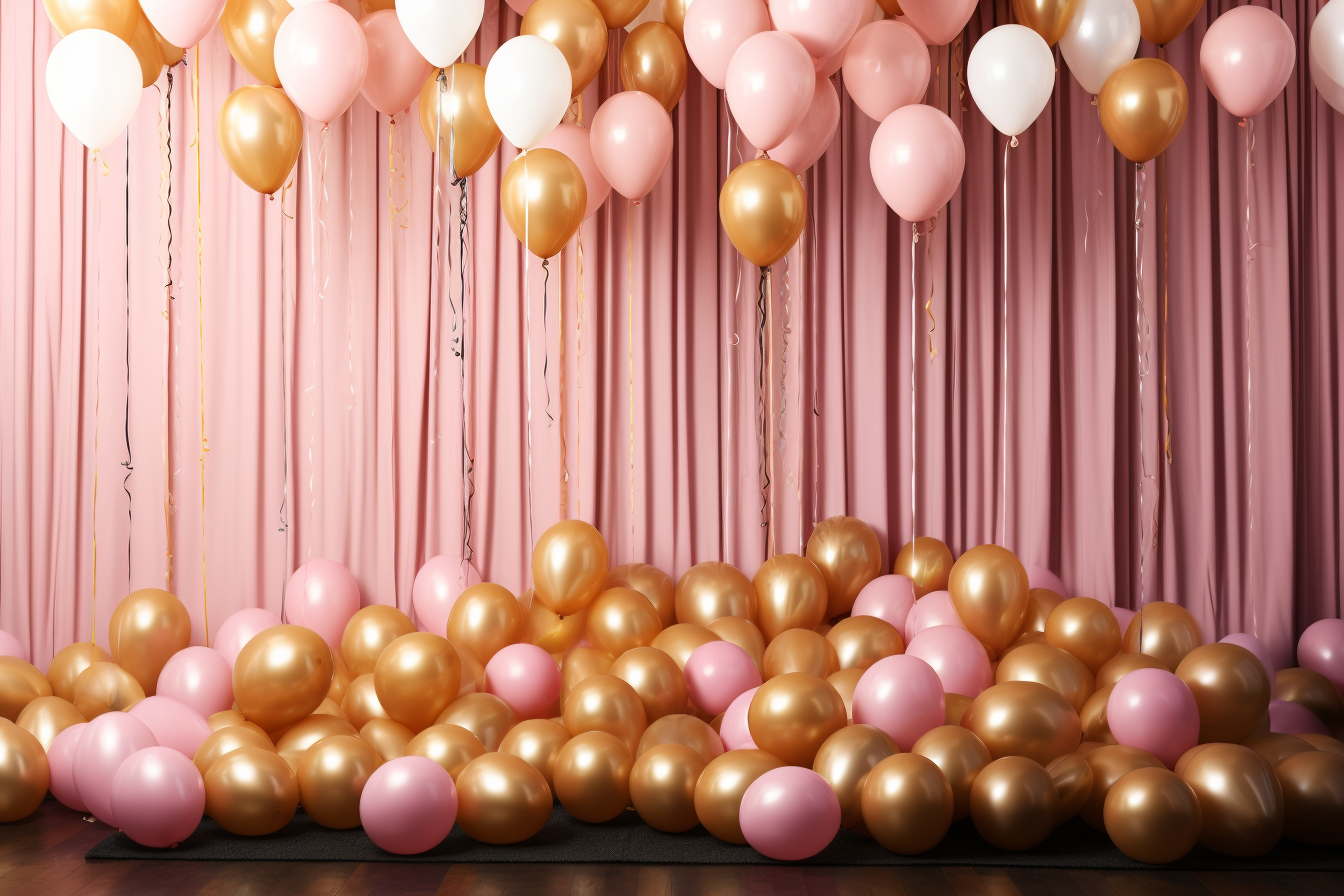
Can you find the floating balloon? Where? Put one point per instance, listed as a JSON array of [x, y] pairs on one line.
[[763, 209], [1163, 20], [321, 56], [1102, 36], [1143, 106], [544, 199], [715, 30], [1048, 18], [528, 88], [501, 799], [801, 149], [249, 28], [1247, 57], [653, 62], [115, 16], [577, 30], [1324, 54], [769, 88], [575, 142], [886, 67], [396, 71], [440, 29], [183, 22], [938, 20], [260, 134], [1011, 74], [632, 142]]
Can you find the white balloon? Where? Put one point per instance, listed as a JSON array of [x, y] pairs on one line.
[[1327, 52], [440, 29], [1102, 36], [527, 88], [93, 81], [1011, 74]]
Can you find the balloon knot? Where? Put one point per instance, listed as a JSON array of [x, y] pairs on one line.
[[1242, 123], [1013, 142]]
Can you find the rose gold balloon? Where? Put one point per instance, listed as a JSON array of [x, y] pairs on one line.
[[906, 804], [1231, 689], [679, 641], [654, 675], [606, 703], [718, 793], [651, 582], [662, 786], [361, 702], [1152, 816], [847, 552], [845, 760], [550, 631], [484, 715], [1085, 628], [1023, 718], [799, 650], [418, 675], [1124, 663], [252, 792], [105, 687], [249, 28], [792, 715], [1059, 671], [1324, 742], [569, 562], [1241, 799], [592, 776], [226, 740], [1093, 716], [844, 682], [622, 619], [69, 662], [24, 773], [861, 641], [1073, 782], [451, 746], [47, 717], [368, 633], [1110, 764], [20, 684], [686, 730], [928, 564], [576, 29], [537, 742], [1168, 632], [1275, 747], [960, 756], [485, 619], [744, 634], [1041, 602], [790, 593], [1305, 687], [1014, 803], [713, 590], [388, 738], [232, 718], [956, 706], [331, 778], [501, 799], [579, 664], [153, 626], [989, 592], [282, 675], [297, 738], [1313, 797], [340, 680]]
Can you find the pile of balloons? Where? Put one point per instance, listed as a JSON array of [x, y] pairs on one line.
[[774, 710]]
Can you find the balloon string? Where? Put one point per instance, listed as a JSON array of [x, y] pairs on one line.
[[762, 310], [1096, 166], [468, 460], [454, 334], [734, 340], [200, 330], [349, 254], [958, 51], [630, 353], [97, 383], [1251, 245], [546, 338], [783, 447], [578, 323], [1144, 365], [284, 409], [816, 348], [1166, 297], [318, 235], [928, 304], [527, 347], [166, 226], [802, 371], [1003, 430], [129, 462], [560, 329], [914, 397]]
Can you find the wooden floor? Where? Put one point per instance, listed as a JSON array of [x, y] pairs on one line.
[[44, 856]]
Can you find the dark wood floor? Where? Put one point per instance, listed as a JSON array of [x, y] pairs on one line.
[[44, 856]]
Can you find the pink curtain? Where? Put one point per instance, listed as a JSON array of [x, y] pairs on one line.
[[324, 357]]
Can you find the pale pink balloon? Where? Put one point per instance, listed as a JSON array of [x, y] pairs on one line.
[[1153, 710], [917, 160], [200, 677], [322, 595], [718, 673], [939, 20], [240, 628], [823, 27], [436, 588], [1321, 649], [397, 71], [321, 57], [886, 67], [770, 85], [525, 677], [1257, 647], [1124, 617], [1247, 57], [183, 23], [521, 6], [104, 744], [575, 142], [956, 655], [61, 761], [408, 805], [631, 141], [173, 723], [12, 646], [158, 797], [733, 730], [901, 695], [789, 813], [889, 598], [714, 29], [1041, 577], [1294, 718], [934, 608], [813, 137]]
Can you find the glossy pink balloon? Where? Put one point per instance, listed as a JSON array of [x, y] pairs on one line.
[[1321, 649], [718, 673], [183, 23], [200, 677], [525, 677], [104, 745], [714, 29], [886, 67], [809, 142], [733, 730], [769, 89], [397, 71], [1153, 710], [1124, 617], [917, 160], [12, 646], [61, 761], [1247, 57], [322, 594], [321, 57], [1294, 718], [789, 813], [575, 142], [823, 27], [158, 797], [436, 588], [631, 140], [1040, 577], [939, 20], [934, 608], [1255, 646], [408, 805], [901, 695], [889, 598], [956, 655], [173, 723], [240, 628]]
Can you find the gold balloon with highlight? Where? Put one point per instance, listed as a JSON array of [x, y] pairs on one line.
[[927, 564], [24, 773], [569, 562], [679, 641], [152, 627], [847, 552], [1231, 689], [69, 662], [662, 787], [295, 740], [577, 30], [653, 61], [793, 714], [800, 650], [451, 746], [1061, 672], [331, 708], [1143, 106], [719, 792], [606, 703], [484, 715], [1164, 631], [361, 702], [712, 590], [907, 804], [418, 676], [579, 664], [1241, 799], [845, 760], [1022, 641], [1313, 797], [763, 209], [251, 792], [619, 13], [282, 675], [552, 632], [1096, 728], [389, 739], [790, 593], [1124, 663], [592, 776], [260, 135], [501, 799], [1073, 782], [452, 108], [20, 684], [649, 581], [1048, 18], [621, 619], [224, 741], [1275, 747], [1161, 21], [686, 730], [844, 682], [150, 49], [249, 28], [340, 680], [114, 16], [1024, 718], [105, 687], [1041, 602], [960, 756], [232, 718], [485, 619], [1085, 628], [1305, 687], [743, 633], [537, 742], [674, 16], [47, 717], [654, 675], [1152, 816], [331, 778], [860, 641], [1014, 803], [955, 706], [1110, 764], [473, 672], [367, 635], [989, 591]]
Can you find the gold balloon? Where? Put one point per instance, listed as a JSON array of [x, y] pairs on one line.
[[654, 675], [552, 632], [1048, 18], [1302, 686], [1313, 797], [847, 552], [224, 741], [799, 650], [653, 61], [1124, 663], [361, 702], [484, 715], [153, 626], [790, 593], [674, 15], [148, 46], [1061, 672], [579, 664], [451, 746], [1152, 816], [1168, 633], [537, 742], [763, 209], [960, 756], [105, 687], [47, 717], [297, 738], [649, 581], [115, 16], [989, 591], [388, 738], [743, 633], [861, 641], [1189, 754], [282, 675], [906, 803], [1160, 21], [24, 773], [418, 676], [576, 29], [473, 672], [569, 562], [1324, 742], [793, 714], [686, 730], [928, 565], [606, 703], [485, 619], [1110, 764], [331, 708], [844, 682], [1096, 728], [170, 54], [621, 619], [501, 799], [331, 778], [368, 633], [662, 786], [340, 680], [679, 641], [1231, 689], [69, 662], [1085, 628], [845, 760], [718, 793], [592, 776], [20, 684], [1041, 602], [1024, 718], [619, 13], [251, 792], [956, 706], [1143, 106], [453, 108], [232, 718], [714, 590], [1275, 747], [1073, 782], [1240, 797], [1014, 803], [249, 28], [1027, 637]]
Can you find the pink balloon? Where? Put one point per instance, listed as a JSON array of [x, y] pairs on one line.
[[173, 723], [1153, 710], [771, 81], [408, 805], [1321, 649], [813, 137], [61, 761], [823, 27], [199, 677], [437, 586], [397, 71], [939, 20], [934, 608], [956, 655], [183, 22], [714, 29], [789, 813], [12, 646], [917, 160], [240, 628], [1247, 57], [631, 141], [733, 730], [158, 797], [901, 695], [322, 595], [525, 677], [886, 67], [1124, 617], [521, 6], [890, 598], [1257, 647], [1294, 718], [106, 742], [321, 57], [718, 673], [1040, 577], [575, 142]]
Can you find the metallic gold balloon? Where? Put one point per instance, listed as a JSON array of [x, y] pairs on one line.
[[368, 633], [579, 664], [1024, 718], [844, 682], [388, 738], [847, 552], [249, 28], [743, 633], [419, 675], [713, 590], [1275, 747], [46, 717], [1313, 797], [1085, 628], [1324, 742], [552, 632], [928, 565], [473, 672], [654, 675], [619, 13], [800, 650], [674, 15], [679, 641], [1041, 602], [484, 715], [537, 742], [1152, 816], [845, 760], [686, 730], [20, 684], [451, 746], [1231, 688], [653, 61], [453, 110], [651, 582], [24, 773], [105, 687], [1168, 633], [1022, 641], [153, 626], [906, 803], [1073, 782], [960, 756], [718, 793], [282, 675], [297, 738], [1241, 799], [251, 792], [1048, 18], [1305, 687], [569, 562], [792, 715], [1189, 754], [1143, 106], [232, 718], [485, 619], [790, 593], [860, 641], [578, 31], [1061, 672], [662, 786], [1110, 764], [340, 680], [331, 708], [501, 799], [115, 16], [69, 662], [226, 740], [1014, 803], [621, 619], [763, 209], [1124, 663], [361, 702], [145, 43], [331, 778], [1093, 717], [170, 54], [606, 703], [592, 776], [1160, 21], [989, 592]]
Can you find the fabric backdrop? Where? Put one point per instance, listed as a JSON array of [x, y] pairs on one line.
[[324, 357]]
